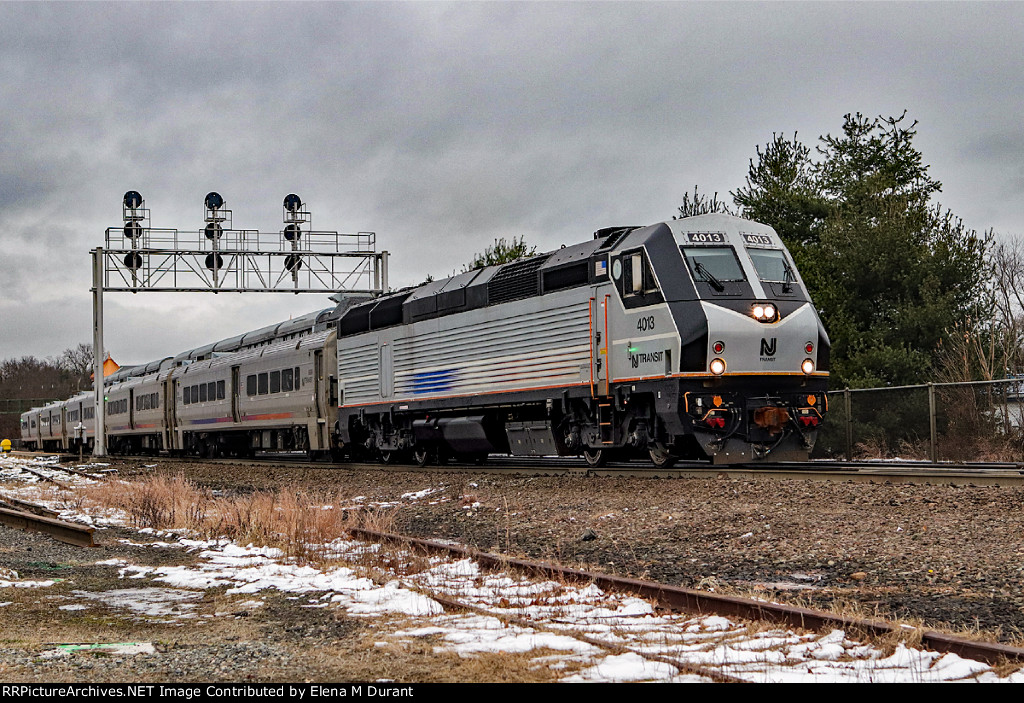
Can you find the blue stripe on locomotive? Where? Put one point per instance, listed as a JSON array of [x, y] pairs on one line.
[[432, 381]]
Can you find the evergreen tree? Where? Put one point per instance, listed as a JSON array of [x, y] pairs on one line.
[[701, 205], [889, 270], [896, 271], [502, 252]]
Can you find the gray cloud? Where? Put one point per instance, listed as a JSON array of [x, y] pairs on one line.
[[444, 126]]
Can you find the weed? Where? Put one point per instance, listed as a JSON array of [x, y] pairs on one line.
[[300, 523]]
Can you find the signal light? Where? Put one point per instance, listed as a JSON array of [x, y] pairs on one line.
[[292, 202], [809, 347], [717, 366], [214, 262], [292, 262], [133, 261], [292, 232], [807, 367], [133, 200], [718, 347], [213, 230], [214, 201]]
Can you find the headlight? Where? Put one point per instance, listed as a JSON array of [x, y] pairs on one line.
[[717, 366], [807, 367], [764, 312]]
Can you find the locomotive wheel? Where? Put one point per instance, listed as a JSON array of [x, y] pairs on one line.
[[661, 458], [595, 457], [421, 456], [388, 456]]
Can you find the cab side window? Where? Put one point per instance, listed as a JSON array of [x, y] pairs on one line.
[[634, 279]]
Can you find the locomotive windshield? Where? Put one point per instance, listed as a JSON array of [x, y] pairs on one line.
[[714, 265], [772, 266]]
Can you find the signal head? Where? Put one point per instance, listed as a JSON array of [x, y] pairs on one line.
[[132, 200], [214, 201]]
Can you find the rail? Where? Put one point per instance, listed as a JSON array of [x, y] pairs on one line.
[[689, 600], [67, 532]]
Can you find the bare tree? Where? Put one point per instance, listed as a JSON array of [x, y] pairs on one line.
[[77, 362]]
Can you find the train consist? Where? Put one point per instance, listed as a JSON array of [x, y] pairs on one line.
[[693, 339]]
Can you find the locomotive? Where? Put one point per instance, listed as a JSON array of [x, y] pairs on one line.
[[688, 339]]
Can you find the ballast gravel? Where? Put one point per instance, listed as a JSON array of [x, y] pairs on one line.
[[946, 556], [943, 555]]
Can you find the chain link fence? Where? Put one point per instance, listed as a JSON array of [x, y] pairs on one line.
[[976, 421]]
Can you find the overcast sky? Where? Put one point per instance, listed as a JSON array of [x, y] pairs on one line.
[[444, 126]]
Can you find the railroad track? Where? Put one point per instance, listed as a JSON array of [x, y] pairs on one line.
[[978, 474], [706, 603]]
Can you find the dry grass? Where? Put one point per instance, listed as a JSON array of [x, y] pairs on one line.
[[300, 523]]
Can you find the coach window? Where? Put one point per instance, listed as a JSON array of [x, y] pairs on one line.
[[211, 390], [297, 384], [195, 394], [220, 390], [250, 385], [202, 392], [275, 381], [287, 383], [263, 383]]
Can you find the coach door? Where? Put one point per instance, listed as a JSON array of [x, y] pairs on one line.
[[236, 385], [170, 410], [320, 404], [64, 427], [131, 408]]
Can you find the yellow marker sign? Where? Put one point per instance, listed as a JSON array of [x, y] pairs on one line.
[[5, 446]]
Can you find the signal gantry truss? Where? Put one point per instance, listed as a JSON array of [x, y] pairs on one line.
[[218, 258]]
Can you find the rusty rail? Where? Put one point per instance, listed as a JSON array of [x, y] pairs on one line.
[[68, 532], [693, 601], [24, 506]]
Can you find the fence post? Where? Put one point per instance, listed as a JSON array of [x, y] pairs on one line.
[[932, 449], [849, 425]]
